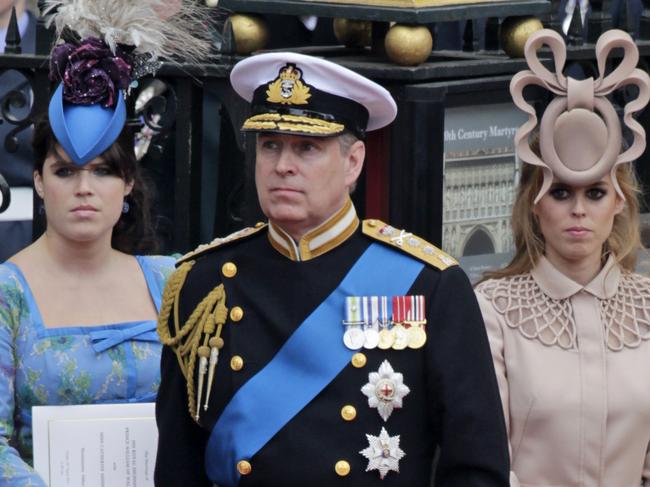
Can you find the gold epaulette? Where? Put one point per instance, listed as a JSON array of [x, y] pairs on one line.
[[409, 243], [218, 242]]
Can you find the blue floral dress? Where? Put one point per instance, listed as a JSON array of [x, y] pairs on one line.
[[73, 365]]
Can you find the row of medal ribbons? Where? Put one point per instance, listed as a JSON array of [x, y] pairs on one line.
[[376, 321]]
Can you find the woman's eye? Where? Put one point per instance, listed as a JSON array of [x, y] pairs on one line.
[[63, 172], [595, 193], [103, 171], [559, 193]]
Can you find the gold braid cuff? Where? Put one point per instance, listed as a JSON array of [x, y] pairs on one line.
[[206, 321]]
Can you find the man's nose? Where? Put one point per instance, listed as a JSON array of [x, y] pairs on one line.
[[285, 163]]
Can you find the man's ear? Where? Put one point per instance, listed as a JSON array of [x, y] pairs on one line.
[[354, 162]]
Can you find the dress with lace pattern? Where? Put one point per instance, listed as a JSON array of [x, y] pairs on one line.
[[573, 366]]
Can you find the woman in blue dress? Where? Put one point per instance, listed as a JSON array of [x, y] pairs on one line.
[[77, 308]]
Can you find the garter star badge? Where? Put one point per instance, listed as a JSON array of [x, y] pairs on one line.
[[287, 88], [383, 453], [385, 390]]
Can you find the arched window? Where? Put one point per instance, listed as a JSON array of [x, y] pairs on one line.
[[479, 242]]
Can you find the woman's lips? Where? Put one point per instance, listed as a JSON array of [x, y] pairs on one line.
[[578, 231], [84, 211]]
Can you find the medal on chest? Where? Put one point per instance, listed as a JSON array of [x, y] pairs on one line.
[[377, 322], [385, 390], [409, 319], [365, 316], [383, 453]]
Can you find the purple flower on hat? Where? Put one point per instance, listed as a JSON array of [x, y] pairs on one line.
[[90, 72]]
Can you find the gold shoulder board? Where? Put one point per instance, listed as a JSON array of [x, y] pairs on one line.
[[409, 243], [218, 242]]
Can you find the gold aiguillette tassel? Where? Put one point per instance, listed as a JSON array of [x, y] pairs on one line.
[[204, 353], [216, 344]]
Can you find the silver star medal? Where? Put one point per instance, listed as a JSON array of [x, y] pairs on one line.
[[385, 390], [383, 453]]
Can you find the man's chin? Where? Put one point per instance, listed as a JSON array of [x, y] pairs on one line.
[[284, 220], [290, 221]]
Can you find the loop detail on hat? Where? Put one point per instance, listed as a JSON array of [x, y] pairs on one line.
[[580, 135]]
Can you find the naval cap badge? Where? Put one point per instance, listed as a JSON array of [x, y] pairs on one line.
[[288, 88], [383, 453], [385, 390]]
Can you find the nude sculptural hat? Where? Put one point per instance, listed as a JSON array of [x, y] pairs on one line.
[[580, 135]]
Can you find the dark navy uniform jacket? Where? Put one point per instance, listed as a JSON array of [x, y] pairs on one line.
[[453, 402]]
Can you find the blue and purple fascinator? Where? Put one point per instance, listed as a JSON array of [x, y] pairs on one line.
[[87, 111], [100, 52]]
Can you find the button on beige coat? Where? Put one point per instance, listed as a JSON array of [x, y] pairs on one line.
[[573, 366]]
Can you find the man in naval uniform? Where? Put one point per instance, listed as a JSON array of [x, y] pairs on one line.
[[318, 349]]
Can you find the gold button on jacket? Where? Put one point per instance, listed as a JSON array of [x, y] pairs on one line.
[[342, 468], [236, 363], [359, 360], [244, 467], [229, 269], [236, 313], [348, 412]]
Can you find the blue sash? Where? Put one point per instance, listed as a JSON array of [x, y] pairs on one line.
[[307, 362]]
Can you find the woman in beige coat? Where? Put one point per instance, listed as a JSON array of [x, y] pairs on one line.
[[568, 319]]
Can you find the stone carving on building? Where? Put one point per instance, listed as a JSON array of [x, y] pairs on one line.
[[480, 178], [479, 192]]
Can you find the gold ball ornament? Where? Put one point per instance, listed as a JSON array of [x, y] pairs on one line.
[[353, 33], [408, 45], [250, 31], [515, 31]]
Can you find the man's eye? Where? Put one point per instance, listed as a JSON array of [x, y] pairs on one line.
[[308, 147], [63, 172], [559, 193], [595, 193], [270, 145]]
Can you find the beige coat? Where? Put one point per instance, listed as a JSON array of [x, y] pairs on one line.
[[573, 365]]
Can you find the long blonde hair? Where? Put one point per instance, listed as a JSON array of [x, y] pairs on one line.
[[623, 242]]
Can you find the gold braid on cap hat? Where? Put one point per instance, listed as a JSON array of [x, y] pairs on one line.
[[580, 136]]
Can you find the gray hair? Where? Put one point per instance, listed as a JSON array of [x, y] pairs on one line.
[[346, 140]]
